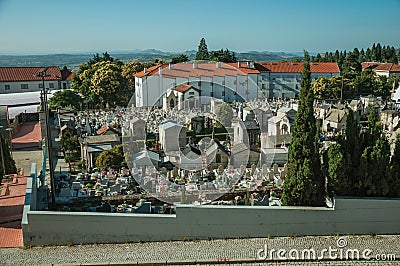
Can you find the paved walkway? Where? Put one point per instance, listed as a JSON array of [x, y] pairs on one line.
[[11, 208], [233, 251], [27, 136]]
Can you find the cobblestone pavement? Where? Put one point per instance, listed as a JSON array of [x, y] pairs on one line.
[[232, 251]]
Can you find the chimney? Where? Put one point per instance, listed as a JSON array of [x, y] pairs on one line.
[[195, 66], [239, 64], [144, 70], [218, 65], [248, 64], [171, 66], [160, 70]]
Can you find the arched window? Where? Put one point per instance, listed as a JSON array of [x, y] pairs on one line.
[[171, 103]]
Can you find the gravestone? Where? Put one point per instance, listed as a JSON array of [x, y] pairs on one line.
[[271, 176], [253, 169], [276, 169]]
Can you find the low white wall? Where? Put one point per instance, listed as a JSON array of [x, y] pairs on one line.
[[349, 216]]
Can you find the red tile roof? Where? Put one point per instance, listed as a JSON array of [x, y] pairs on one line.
[[233, 69], [103, 130], [196, 69], [149, 71], [242, 66], [388, 67], [184, 88], [369, 65], [297, 67], [15, 74]]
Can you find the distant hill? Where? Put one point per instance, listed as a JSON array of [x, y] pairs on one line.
[[74, 60]]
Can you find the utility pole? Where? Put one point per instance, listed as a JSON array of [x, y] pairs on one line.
[[2, 155], [45, 109]]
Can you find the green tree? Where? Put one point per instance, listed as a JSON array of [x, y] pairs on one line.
[[179, 59], [82, 82], [9, 162], [333, 88], [394, 182], [113, 157], [304, 184], [351, 67], [130, 69], [108, 85], [224, 115], [202, 52], [337, 181], [374, 170], [225, 56], [69, 142], [365, 83], [66, 98]]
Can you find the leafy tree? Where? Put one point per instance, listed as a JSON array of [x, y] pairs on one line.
[[224, 115], [108, 85], [66, 98], [202, 52], [333, 88], [82, 82], [9, 162], [351, 67], [69, 142], [131, 68], [304, 184], [365, 82], [113, 157], [179, 59], [225, 56]]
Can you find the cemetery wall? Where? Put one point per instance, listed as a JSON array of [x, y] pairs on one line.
[[348, 216]]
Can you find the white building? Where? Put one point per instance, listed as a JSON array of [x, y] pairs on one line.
[[387, 70], [227, 81], [282, 79], [184, 96], [24, 79]]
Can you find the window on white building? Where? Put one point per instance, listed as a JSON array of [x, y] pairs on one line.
[[51, 85], [40, 85], [191, 92], [24, 86], [7, 87]]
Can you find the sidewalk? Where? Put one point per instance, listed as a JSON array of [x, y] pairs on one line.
[[11, 208], [204, 252]]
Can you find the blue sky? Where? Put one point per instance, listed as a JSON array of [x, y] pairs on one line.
[[48, 26]]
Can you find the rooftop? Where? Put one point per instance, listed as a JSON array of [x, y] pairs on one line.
[[15, 74]]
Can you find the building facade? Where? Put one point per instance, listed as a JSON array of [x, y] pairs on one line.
[[240, 81], [24, 79]]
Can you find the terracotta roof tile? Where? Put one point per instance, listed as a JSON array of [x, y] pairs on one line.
[[15, 74], [388, 67], [193, 69], [369, 65], [297, 67], [184, 88]]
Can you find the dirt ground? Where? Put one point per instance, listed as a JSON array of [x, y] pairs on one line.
[[24, 159]]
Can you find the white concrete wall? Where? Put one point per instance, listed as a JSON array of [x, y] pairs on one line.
[[32, 86], [349, 216]]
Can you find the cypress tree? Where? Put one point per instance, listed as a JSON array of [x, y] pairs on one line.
[[394, 183], [337, 183], [202, 52], [304, 184]]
